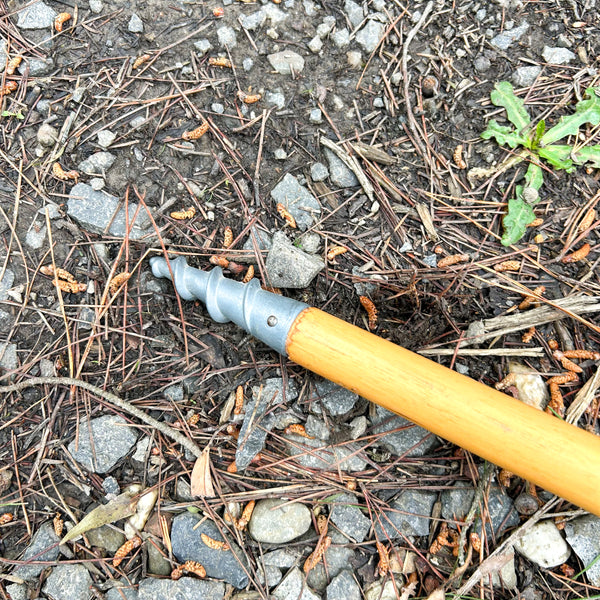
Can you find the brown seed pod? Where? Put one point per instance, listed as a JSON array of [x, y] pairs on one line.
[[248, 98], [249, 274], [509, 380], [452, 260], [117, 281], [70, 287], [233, 431], [140, 60], [222, 62], [191, 566], [536, 222], [286, 216], [553, 344], [528, 335], [430, 86], [6, 518], [368, 305], [227, 237], [10, 87], [243, 521], [562, 379], [336, 251], [567, 570], [557, 403], [218, 12], [125, 549], [214, 544], [220, 261], [315, 558], [298, 429], [507, 265], [322, 524], [582, 354], [458, 158], [60, 173], [58, 524], [177, 573], [60, 20], [197, 133], [239, 400], [193, 420], [529, 300], [475, 541], [588, 219], [13, 64], [232, 467], [182, 215], [383, 566], [59, 273], [566, 363], [504, 477], [578, 254]]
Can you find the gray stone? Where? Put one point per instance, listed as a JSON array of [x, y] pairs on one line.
[[482, 63], [202, 46], [157, 563], [259, 420], [336, 399], [3, 54], [270, 576], [17, 591], [309, 241], [37, 66], [280, 154], [111, 486], [274, 14], [543, 545], [263, 240], [36, 237], [97, 183], [358, 426], [6, 322], [354, 12], [6, 283], [317, 428], [135, 25], [315, 45], [45, 544], [253, 21], [339, 173], [47, 135], [276, 98], [346, 515], [318, 454], [96, 6], [341, 37], [502, 513], [217, 107], [504, 40], [186, 588], [278, 522], [583, 535], [324, 29], [303, 206], [286, 62], [68, 582], [95, 211], [122, 592], [283, 558], [293, 587], [247, 63], [36, 15], [368, 37], [316, 116], [402, 437], [319, 172], [187, 543], [525, 76], [112, 439], [343, 587], [97, 163], [557, 56], [337, 557], [53, 212], [106, 138], [174, 392], [408, 515], [8, 356], [226, 36], [141, 450], [289, 267]]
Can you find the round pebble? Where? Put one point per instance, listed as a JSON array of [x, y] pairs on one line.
[[277, 522]]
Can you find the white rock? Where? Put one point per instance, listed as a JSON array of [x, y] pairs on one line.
[[531, 388], [106, 138], [315, 44], [354, 59], [557, 56], [136, 25], [543, 545]]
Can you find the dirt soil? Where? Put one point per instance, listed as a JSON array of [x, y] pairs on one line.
[[141, 341]]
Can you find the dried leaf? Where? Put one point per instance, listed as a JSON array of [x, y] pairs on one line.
[[121, 507], [201, 481]]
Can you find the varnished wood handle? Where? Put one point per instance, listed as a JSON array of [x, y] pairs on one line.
[[540, 448]]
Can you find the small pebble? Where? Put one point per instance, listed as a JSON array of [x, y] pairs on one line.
[[319, 172], [106, 138], [226, 36], [543, 545], [278, 522], [202, 46], [316, 116], [135, 25], [47, 135]]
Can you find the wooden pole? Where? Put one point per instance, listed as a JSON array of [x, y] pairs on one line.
[[536, 446]]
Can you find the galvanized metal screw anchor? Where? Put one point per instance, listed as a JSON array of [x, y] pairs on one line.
[[536, 446]]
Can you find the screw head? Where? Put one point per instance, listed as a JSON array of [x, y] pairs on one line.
[[272, 321]]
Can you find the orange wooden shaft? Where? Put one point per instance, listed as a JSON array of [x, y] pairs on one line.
[[536, 446]]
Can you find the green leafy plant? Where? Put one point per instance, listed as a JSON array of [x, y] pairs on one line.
[[538, 144], [6, 113]]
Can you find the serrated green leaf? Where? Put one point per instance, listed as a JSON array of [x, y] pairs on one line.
[[588, 154], [534, 178], [515, 222], [121, 507], [586, 111], [504, 96], [559, 156], [504, 134]]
